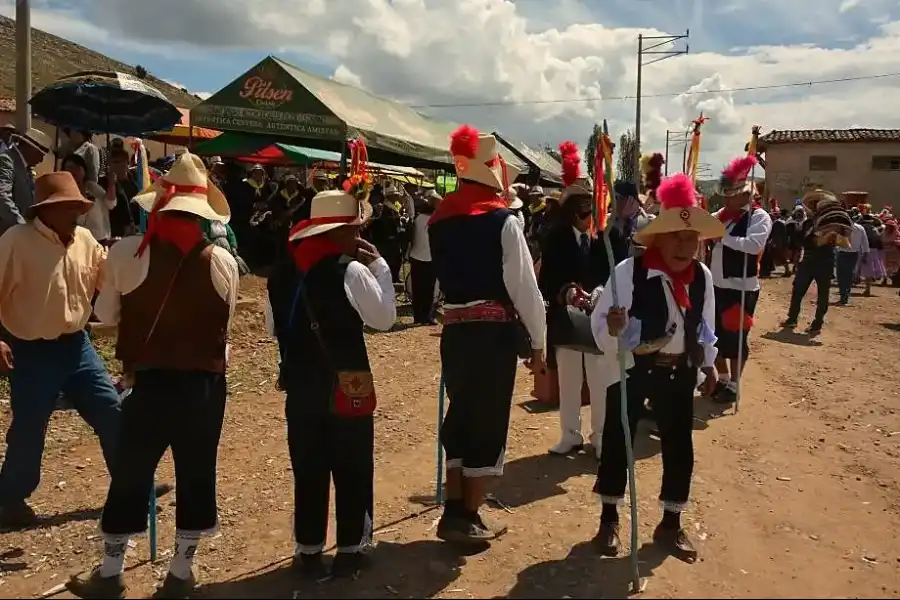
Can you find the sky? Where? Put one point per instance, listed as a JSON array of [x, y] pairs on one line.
[[541, 71]]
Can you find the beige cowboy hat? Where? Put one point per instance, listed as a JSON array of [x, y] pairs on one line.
[[56, 188], [679, 212], [329, 210], [186, 188], [35, 138], [813, 198], [477, 158]]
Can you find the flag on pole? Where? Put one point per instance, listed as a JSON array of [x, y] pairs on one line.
[[693, 161]]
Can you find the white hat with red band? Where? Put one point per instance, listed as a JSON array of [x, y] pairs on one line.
[[186, 188], [329, 210]]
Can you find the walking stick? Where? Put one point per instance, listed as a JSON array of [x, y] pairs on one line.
[[637, 584], [739, 367], [439, 478]]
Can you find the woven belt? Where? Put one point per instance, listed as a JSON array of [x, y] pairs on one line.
[[485, 312]]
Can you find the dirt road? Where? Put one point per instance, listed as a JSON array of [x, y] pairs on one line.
[[798, 495]]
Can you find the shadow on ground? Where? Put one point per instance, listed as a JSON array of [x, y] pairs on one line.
[[584, 574], [418, 569], [789, 336]]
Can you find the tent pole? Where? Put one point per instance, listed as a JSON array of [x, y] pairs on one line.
[[342, 174]]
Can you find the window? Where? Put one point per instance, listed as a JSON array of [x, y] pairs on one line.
[[886, 163], [823, 163]]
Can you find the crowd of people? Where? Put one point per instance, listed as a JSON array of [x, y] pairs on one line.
[[524, 276]]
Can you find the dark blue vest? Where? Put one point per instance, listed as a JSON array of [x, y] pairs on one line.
[[733, 260], [304, 366], [467, 255]]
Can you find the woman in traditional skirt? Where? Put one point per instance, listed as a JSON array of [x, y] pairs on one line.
[[871, 265], [890, 239]]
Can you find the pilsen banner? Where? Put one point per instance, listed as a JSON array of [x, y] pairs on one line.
[[267, 100]]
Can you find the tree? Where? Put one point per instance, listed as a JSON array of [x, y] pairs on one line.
[[590, 151], [140, 72], [628, 158]]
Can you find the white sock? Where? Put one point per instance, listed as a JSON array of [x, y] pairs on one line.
[[183, 560], [114, 547]]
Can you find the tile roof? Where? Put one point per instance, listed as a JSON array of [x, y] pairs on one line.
[[830, 135]]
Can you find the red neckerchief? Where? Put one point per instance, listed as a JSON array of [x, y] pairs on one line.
[[469, 200], [311, 250], [173, 232], [184, 234], [680, 281]]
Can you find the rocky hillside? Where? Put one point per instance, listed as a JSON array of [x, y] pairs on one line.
[[53, 57]]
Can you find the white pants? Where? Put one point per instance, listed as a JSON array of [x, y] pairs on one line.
[[572, 368]]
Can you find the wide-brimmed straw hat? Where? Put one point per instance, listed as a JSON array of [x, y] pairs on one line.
[[329, 210], [477, 158], [35, 138], [679, 212], [186, 188], [56, 188], [515, 203]]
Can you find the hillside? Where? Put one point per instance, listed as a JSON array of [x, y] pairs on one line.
[[53, 57]]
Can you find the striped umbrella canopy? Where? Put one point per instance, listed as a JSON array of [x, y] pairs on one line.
[[105, 102]]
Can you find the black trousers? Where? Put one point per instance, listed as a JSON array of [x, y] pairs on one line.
[[671, 392], [181, 410], [479, 362], [325, 447], [423, 281], [816, 269], [729, 300]]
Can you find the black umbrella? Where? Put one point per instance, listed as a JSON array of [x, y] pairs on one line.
[[105, 102]]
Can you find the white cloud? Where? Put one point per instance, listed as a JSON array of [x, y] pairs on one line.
[[847, 5], [428, 52]]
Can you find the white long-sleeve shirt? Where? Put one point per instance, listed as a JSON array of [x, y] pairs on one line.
[[96, 220], [520, 281], [753, 243], [623, 278], [420, 250], [859, 240], [370, 291]]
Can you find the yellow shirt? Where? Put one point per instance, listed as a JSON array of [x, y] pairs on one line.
[[45, 286]]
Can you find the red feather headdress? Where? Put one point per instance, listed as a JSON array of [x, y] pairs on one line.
[[571, 162], [676, 191]]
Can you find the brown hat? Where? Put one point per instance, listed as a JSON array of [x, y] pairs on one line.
[[56, 188]]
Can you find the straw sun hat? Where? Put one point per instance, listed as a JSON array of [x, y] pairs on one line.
[[186, 188], [477, 158], [679, 212], [329, 210]]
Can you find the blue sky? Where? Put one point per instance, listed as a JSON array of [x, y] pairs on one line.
[[540, 56]]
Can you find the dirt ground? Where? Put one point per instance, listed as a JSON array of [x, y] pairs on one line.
[[797, 495]]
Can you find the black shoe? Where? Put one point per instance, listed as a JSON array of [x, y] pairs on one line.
[[309, 566], [467, 530], [17, 516], [789, 323], [348, 564], [607, 539], [176, 588], [815, 328], [676, 542], [91, 584], [728, 395]]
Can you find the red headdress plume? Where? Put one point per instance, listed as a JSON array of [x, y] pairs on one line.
[[738, 170], [676, 191], [571, 162], [359, 182], [464, 142]]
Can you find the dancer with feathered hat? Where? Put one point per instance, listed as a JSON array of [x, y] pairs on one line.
[[735, 269], [665, 317], [481, 258]]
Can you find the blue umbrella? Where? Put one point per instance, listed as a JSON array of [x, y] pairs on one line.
[[105, 102]]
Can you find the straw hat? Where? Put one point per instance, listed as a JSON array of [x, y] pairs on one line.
[[515, 203], [679, 212], [329, 210], [186, 188], [477, 158], [56, 188], [35, 138]]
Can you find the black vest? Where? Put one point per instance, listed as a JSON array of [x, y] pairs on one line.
[[467, 255], [733, 260], [304, 366], [649, 305]]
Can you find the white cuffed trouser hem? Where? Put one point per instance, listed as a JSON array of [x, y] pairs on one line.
[[197, 534], [308, 548], [617, 500], [367, 543], [675, 507], [494, 471]]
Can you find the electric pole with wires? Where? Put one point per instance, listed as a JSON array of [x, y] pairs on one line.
[[661, 47]]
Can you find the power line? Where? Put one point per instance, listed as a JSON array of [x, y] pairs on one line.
[[774, 86]]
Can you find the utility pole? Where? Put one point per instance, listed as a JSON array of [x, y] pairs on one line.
[[23, 65], [657, 41], [666, 163]]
